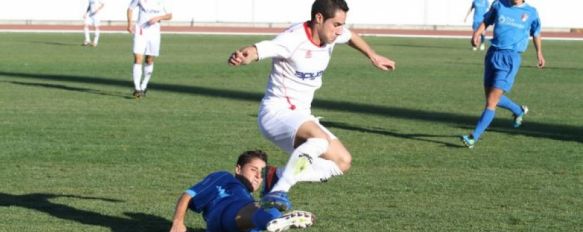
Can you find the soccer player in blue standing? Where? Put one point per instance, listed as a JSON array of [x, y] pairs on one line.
[[226, 203], [480, 7], [514, 21]]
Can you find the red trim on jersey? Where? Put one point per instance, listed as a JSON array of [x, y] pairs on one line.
[[309, 34]]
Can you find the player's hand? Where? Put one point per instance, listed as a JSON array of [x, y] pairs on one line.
[[130, 29], [475, 40], [178, 227], [243, 56], [383, 63]]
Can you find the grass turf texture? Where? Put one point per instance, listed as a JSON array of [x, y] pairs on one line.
[[77, 153]]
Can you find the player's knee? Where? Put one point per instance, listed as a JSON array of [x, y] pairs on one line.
[[344, 163]]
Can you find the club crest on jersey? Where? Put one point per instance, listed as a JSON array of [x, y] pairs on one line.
[[524, 17]]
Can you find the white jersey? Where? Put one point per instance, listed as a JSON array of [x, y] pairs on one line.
[[93, 6], [148, 10], [297, 68]]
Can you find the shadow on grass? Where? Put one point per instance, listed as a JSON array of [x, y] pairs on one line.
[[419, 137], [533, 129], [41, 203], [69, 88]]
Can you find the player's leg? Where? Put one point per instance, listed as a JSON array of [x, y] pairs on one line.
[[87, 40], [148, 70], [152, 50], [517, 110], [137, 74], [252, 216], [492, 98], [306, 162], [500, 68], [97, 34]]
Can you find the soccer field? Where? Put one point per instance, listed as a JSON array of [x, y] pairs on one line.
[[78, 153]]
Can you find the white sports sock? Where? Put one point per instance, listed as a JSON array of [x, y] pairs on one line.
[[148, 69], [87, 37], [96, 39], [300, 162], [137, 76]]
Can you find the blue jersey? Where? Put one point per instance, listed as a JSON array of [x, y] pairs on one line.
[[217, 192], [513, 25], [480, 8]]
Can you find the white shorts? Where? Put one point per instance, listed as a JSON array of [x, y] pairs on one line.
[[92, 20], [147, 41], [280, 126]]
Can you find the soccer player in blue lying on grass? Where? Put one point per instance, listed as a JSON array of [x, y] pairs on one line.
[[514, 22], [227, 204]]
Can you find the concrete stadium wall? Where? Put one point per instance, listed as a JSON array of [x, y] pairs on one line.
[[368, 13]]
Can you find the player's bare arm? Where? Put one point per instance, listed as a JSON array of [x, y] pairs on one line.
[[181, 208], [130, 15], [539, 51], [377, 60], [243, 56], [476, 40]]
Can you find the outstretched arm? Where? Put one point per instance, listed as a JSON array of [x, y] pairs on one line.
[[377, 60], [539, 51], [180, 213], [243, 56]]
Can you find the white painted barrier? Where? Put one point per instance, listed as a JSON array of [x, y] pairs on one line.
[[371, 13]]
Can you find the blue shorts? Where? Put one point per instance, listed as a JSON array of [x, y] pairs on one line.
[[500, 68]]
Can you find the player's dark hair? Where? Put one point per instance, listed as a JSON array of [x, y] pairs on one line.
[[247, 156], [328, 8]]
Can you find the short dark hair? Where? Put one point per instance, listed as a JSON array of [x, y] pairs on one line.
[[328, 8], [247, 156]]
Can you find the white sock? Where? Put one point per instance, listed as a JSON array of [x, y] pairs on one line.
[[137, 76], [87, 37], [96, 39], [300, 162], [148, 69]]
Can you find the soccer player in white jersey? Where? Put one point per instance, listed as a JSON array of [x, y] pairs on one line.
[[146, 33], [300, 56], [91, 18]]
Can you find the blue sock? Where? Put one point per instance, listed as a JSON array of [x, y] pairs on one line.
[[483, 123], [262, 216], [508, 104]]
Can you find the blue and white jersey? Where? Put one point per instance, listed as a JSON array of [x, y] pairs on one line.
[[514, 24], [297, 68], [216, 191], [480, 9]]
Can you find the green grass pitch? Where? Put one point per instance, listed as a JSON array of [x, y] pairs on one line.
[[77, 153]]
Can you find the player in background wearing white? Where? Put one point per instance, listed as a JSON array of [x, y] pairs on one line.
[[146, 33], [91, 18], [300, 56], [480, 7]]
